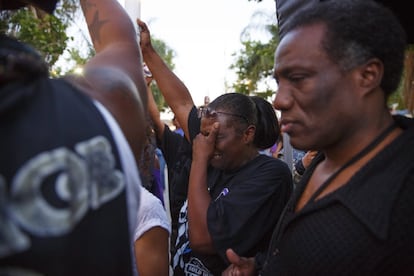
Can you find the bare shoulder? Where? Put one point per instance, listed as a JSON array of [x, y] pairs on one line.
[[115, 90], [105, 82]]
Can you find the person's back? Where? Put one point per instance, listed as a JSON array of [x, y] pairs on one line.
[[68, 171], [58, 180]]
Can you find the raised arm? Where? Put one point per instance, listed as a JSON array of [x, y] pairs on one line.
[[114, 75], [173, 89], [154, 113]]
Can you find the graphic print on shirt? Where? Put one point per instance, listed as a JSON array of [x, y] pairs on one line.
[[182, 243], [183, 260], [76, 181]]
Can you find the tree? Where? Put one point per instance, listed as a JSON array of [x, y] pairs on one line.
[[254, 63], [46, 33]]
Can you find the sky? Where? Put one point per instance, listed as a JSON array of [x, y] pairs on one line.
[[204, 35]]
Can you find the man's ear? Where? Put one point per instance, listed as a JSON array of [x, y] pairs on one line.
[[249, 134], [370, 74]]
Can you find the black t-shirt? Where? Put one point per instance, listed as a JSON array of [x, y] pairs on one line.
[[246, 205], [177, 152]]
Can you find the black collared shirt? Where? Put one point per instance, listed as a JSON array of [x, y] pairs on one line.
[[366, 227]]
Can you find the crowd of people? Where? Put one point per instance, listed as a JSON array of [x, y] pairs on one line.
[[323, 190]]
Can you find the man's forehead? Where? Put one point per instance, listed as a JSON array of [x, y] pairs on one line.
[[303, 37]]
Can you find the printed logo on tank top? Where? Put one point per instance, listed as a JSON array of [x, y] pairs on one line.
[[76, 181]]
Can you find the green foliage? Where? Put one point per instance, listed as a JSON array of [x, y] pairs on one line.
[[66, 10], [254, 65], [46, 33]]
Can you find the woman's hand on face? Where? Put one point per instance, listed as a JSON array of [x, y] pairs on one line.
[[203, 145]]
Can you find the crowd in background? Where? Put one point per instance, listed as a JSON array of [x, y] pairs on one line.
[[93, 182]]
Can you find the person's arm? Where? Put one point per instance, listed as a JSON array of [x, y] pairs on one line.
[[172, 88], [152, 253], [198, 196], [152, 236], [154, 113], [114, 39], [114, 75]]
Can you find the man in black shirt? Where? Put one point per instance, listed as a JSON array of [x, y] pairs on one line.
[[336, 65]]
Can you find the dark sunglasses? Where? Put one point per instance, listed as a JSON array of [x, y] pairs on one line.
[[206, 112]]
